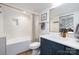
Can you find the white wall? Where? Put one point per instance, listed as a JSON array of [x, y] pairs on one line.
[[63, 10], [1, 23], [23, 29], [12, 30]]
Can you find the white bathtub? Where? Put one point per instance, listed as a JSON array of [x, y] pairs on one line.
[[15, 46]]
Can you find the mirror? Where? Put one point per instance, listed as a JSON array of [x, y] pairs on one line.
[[66, 22]]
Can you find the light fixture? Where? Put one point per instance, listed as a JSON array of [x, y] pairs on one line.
[[56, 4]]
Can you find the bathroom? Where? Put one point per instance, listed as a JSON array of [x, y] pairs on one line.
[[29, 29]]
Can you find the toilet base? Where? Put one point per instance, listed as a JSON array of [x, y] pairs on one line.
[[35, 52]]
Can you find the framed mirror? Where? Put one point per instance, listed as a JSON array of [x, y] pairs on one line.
[[66, 22]]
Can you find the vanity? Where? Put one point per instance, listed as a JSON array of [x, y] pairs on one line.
[[54, 44]]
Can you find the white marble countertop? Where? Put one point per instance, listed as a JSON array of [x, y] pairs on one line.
[[68, 41]]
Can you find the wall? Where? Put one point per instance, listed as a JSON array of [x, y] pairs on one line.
[[14, 29], [63, 10], [25, 24], [1, 22]]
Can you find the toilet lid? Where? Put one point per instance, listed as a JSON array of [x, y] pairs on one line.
[[35, 45]]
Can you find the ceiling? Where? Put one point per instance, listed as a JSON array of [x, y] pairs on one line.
[[65, 8], [34, 7], [39, 7]]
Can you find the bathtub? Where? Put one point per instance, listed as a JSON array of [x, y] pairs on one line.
[[15, 46]]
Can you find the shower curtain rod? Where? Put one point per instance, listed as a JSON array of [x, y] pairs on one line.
[[17, 8]]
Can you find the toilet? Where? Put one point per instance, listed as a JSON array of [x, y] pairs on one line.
[[35, 48]]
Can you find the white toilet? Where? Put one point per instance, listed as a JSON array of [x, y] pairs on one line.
[[35, 48]]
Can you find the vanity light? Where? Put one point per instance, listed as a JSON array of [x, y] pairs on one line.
[[56, 4]]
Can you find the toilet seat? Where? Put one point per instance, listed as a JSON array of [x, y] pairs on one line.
[[34, 45]]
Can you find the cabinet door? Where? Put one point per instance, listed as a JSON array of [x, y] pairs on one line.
[[2, 46], [49, 50], [42, 47], [49, 47], [77, 52], [70, 51], [58, 49], [46, 47]]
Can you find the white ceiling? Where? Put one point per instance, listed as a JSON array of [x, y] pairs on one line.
[[65, 8], [34, 7], [39, 7]]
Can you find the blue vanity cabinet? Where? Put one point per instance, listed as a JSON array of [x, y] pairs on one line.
[[50, 48]]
